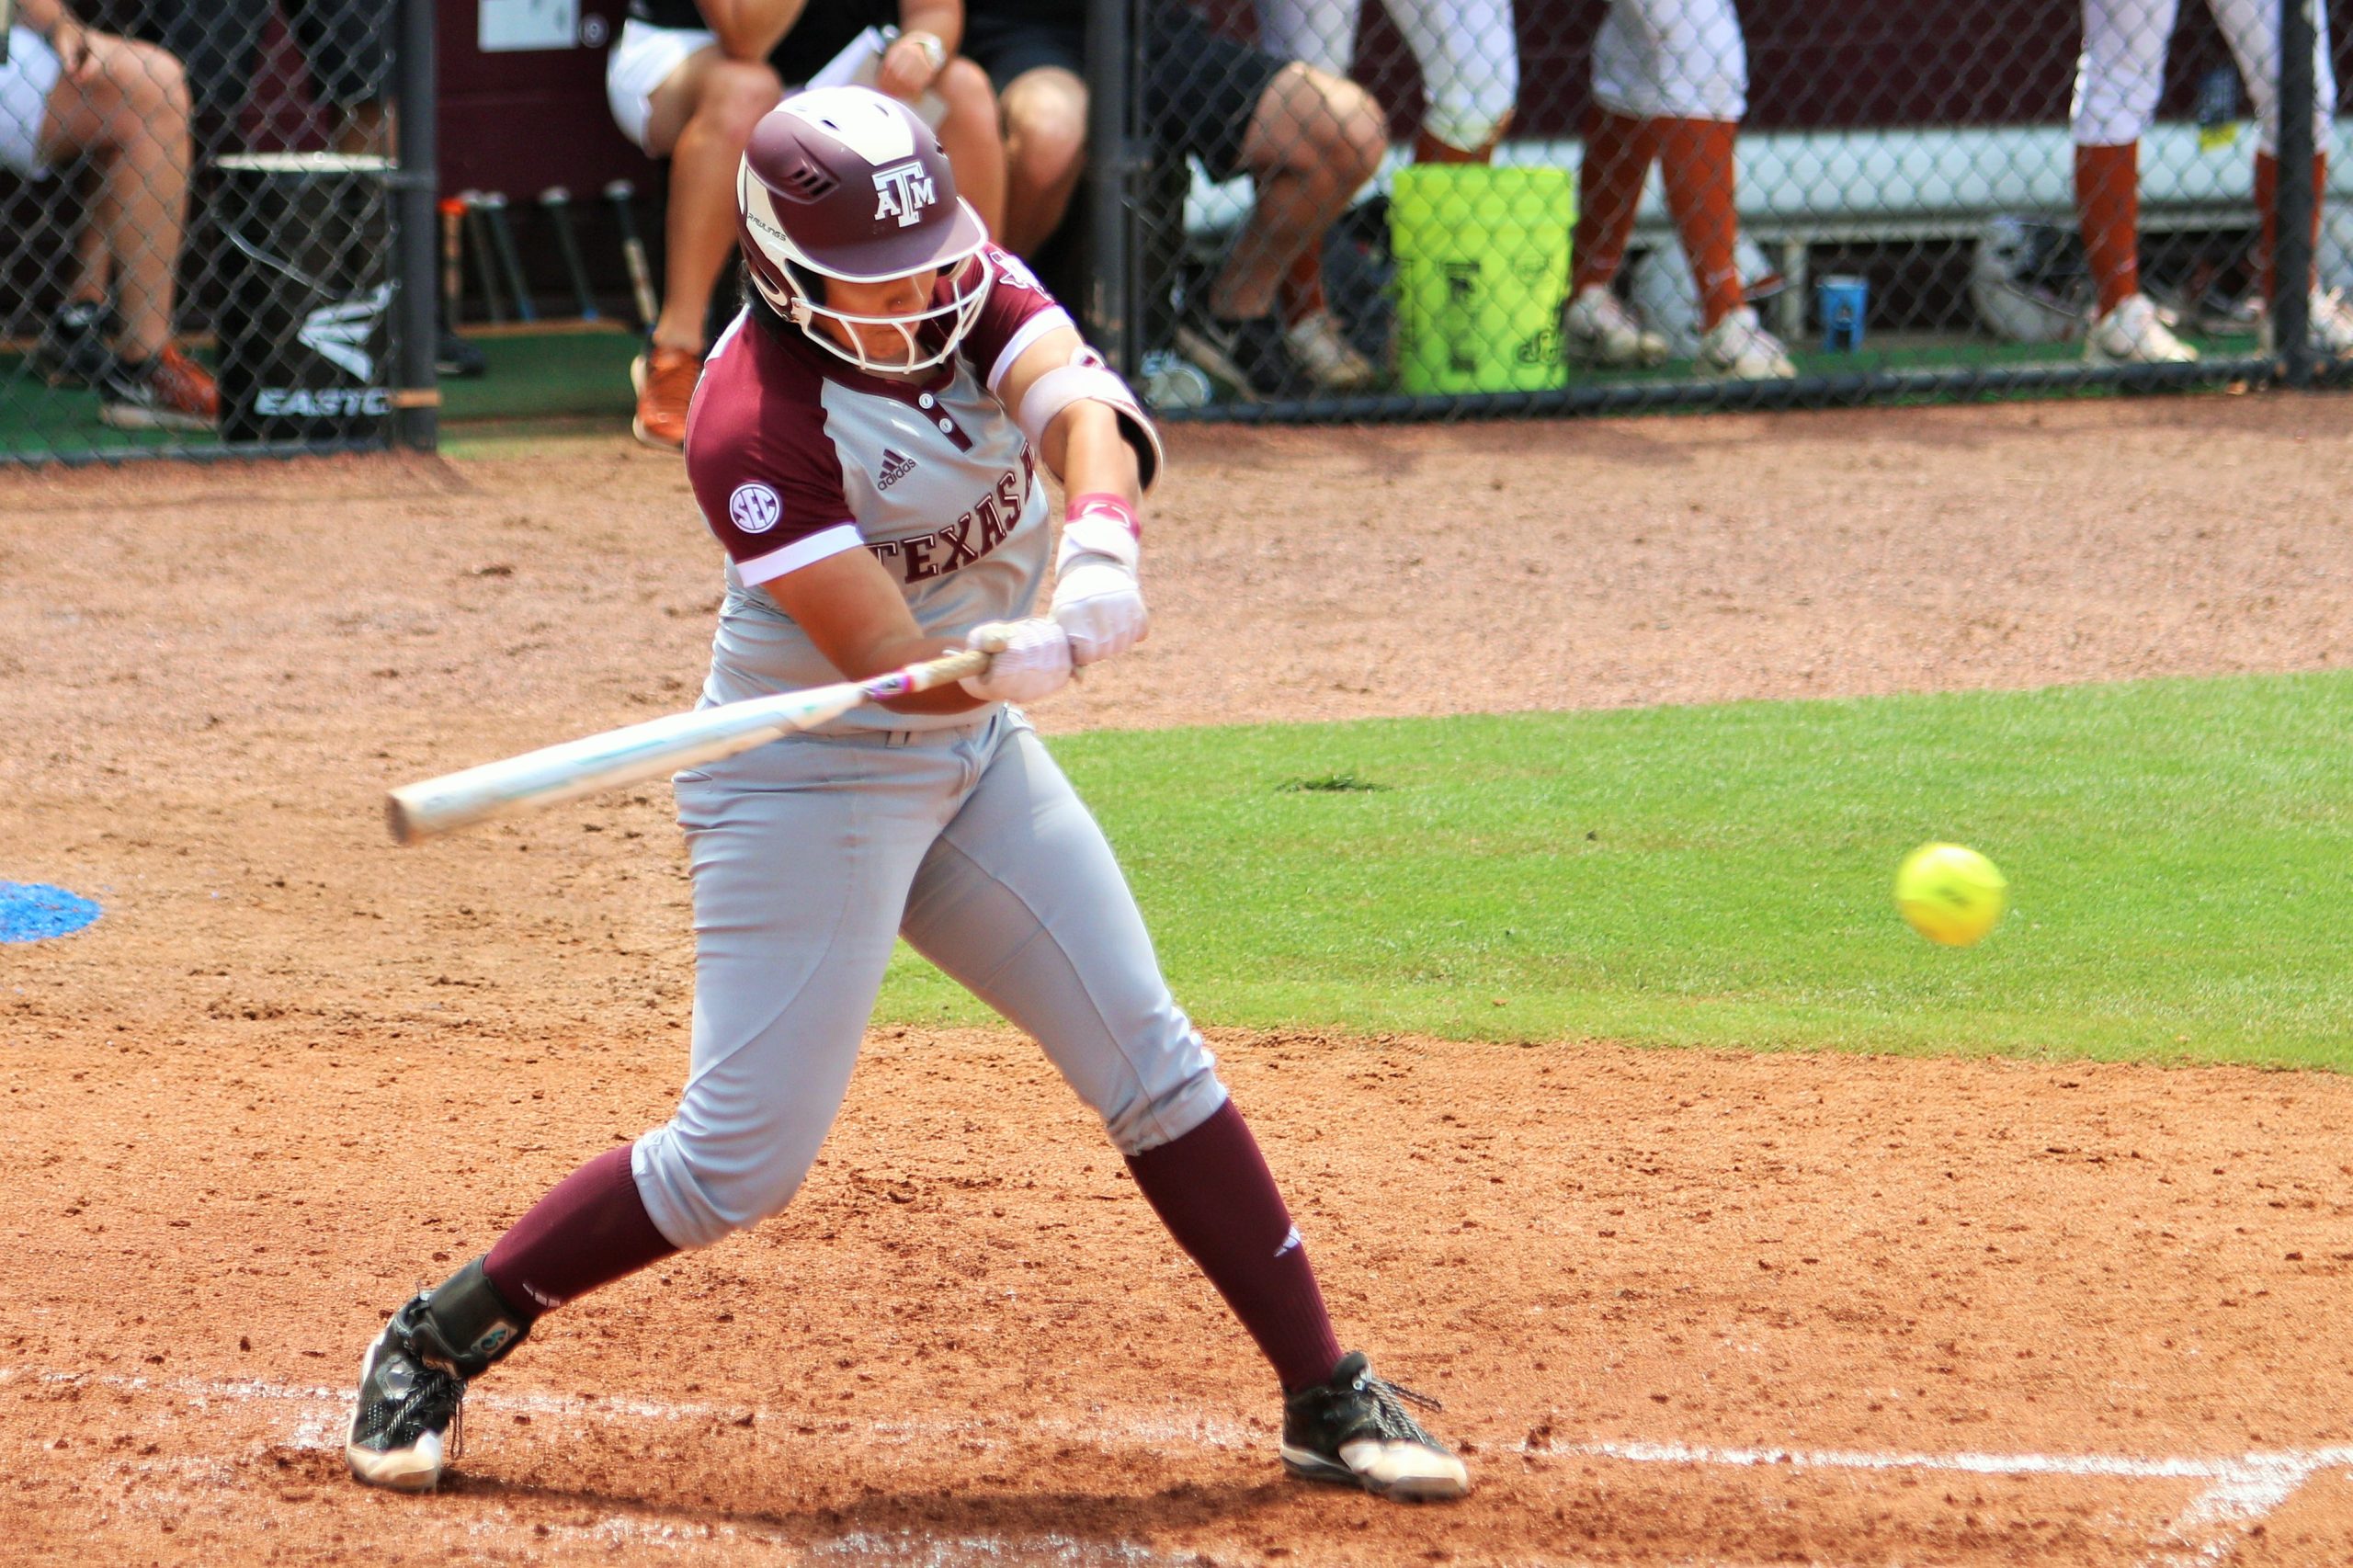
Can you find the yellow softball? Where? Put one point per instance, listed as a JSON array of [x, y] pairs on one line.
[[1950, 893]]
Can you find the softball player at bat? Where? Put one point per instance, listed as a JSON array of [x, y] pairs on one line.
[[2116, 82], [866, 443]]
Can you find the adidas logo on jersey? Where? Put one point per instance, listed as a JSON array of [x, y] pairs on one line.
[[895, 468]]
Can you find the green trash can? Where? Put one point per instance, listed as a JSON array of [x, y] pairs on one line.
[[1483, 268]]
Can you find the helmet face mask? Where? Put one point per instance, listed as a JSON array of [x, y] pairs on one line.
[[838, 329], [842, 185]]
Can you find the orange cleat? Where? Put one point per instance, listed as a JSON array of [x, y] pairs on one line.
[[170, 391], [664, 378]]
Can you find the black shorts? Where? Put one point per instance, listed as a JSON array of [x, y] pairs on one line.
[[1199, 87], [1007, 47], [346, 45]]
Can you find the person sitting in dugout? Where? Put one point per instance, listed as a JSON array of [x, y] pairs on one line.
[[688, 79]]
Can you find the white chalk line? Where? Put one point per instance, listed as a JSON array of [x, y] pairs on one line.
[[2246, 1488]]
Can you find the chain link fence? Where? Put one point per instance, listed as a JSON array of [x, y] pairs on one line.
[[1411, 209], [205, 248]]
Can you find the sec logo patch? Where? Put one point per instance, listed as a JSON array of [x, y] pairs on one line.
[[754, 509]]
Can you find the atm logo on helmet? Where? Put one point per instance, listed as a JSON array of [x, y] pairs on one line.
[[902, 193]]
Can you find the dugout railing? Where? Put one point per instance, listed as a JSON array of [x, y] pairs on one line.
[[220, 235], [1930, 199]]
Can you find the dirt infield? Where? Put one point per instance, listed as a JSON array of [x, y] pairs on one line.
[[1684, 1307]]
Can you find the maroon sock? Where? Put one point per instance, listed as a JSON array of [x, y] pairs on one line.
[[1212, 1189], [590, 1230]]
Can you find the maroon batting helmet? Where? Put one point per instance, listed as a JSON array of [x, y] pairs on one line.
[[846, 183]]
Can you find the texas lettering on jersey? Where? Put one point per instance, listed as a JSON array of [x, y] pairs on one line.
[[972, 534], [794, 455]]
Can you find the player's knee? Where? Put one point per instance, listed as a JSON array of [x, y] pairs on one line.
[[697, 1194], [1471, 122], [1152, 1116], [2111, 114], [150, 82], [737, 93], [1045, 126], [163, 92], [964, 88], [1352, 137]]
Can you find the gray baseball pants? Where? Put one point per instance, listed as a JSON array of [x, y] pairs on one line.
[[810, 854]]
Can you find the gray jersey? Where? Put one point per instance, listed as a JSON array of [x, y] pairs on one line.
[[796, 455]]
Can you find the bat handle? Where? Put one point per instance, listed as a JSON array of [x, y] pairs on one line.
[[453, 283], [558, 204], [486, 265], [641, 277], [925, 676], [501, 233]]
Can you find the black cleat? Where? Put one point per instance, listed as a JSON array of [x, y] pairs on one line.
[[455, 358], [1354, 1431], [408, 1408], [75, 345], [412, 1382], [1248, 355]]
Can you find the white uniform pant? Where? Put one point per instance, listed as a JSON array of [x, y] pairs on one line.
[[2123, 64], [810, 854], [1671, 59], [1467, 52]]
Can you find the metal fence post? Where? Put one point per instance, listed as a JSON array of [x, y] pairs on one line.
[[2292, 250], [1110, 280], [416, 396]]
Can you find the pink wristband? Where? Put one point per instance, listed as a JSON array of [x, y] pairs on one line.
[[1104, 501]]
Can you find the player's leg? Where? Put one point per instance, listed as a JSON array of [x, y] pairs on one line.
[[1597, 327], [802, 854], [1308, 140], [1321, 33], [974, 139], [2253, 32], [130, 116], [1469, 56], [1700, 80], [1044, 111], [2117, 80], [76, 344], [1020, 900], [676, 96], [1312, 141]]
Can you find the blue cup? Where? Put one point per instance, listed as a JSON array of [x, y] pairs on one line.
[[1842, 304]]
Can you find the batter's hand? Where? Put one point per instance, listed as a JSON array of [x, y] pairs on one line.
[[1097, 598], [1029, 659]]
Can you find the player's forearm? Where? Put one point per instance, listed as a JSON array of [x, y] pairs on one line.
[[42, 16], [943, 20], [750, 29], [1086, 449]]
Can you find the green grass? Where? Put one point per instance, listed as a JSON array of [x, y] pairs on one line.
[[546, 375], [2180, 857]]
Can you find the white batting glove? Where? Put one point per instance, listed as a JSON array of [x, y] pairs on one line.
[[1028, 660], [1097, 598]]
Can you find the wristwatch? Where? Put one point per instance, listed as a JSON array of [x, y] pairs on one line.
[[934, 50]]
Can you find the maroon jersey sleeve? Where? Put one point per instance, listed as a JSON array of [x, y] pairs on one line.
[[764, 471], [1018, 312]]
